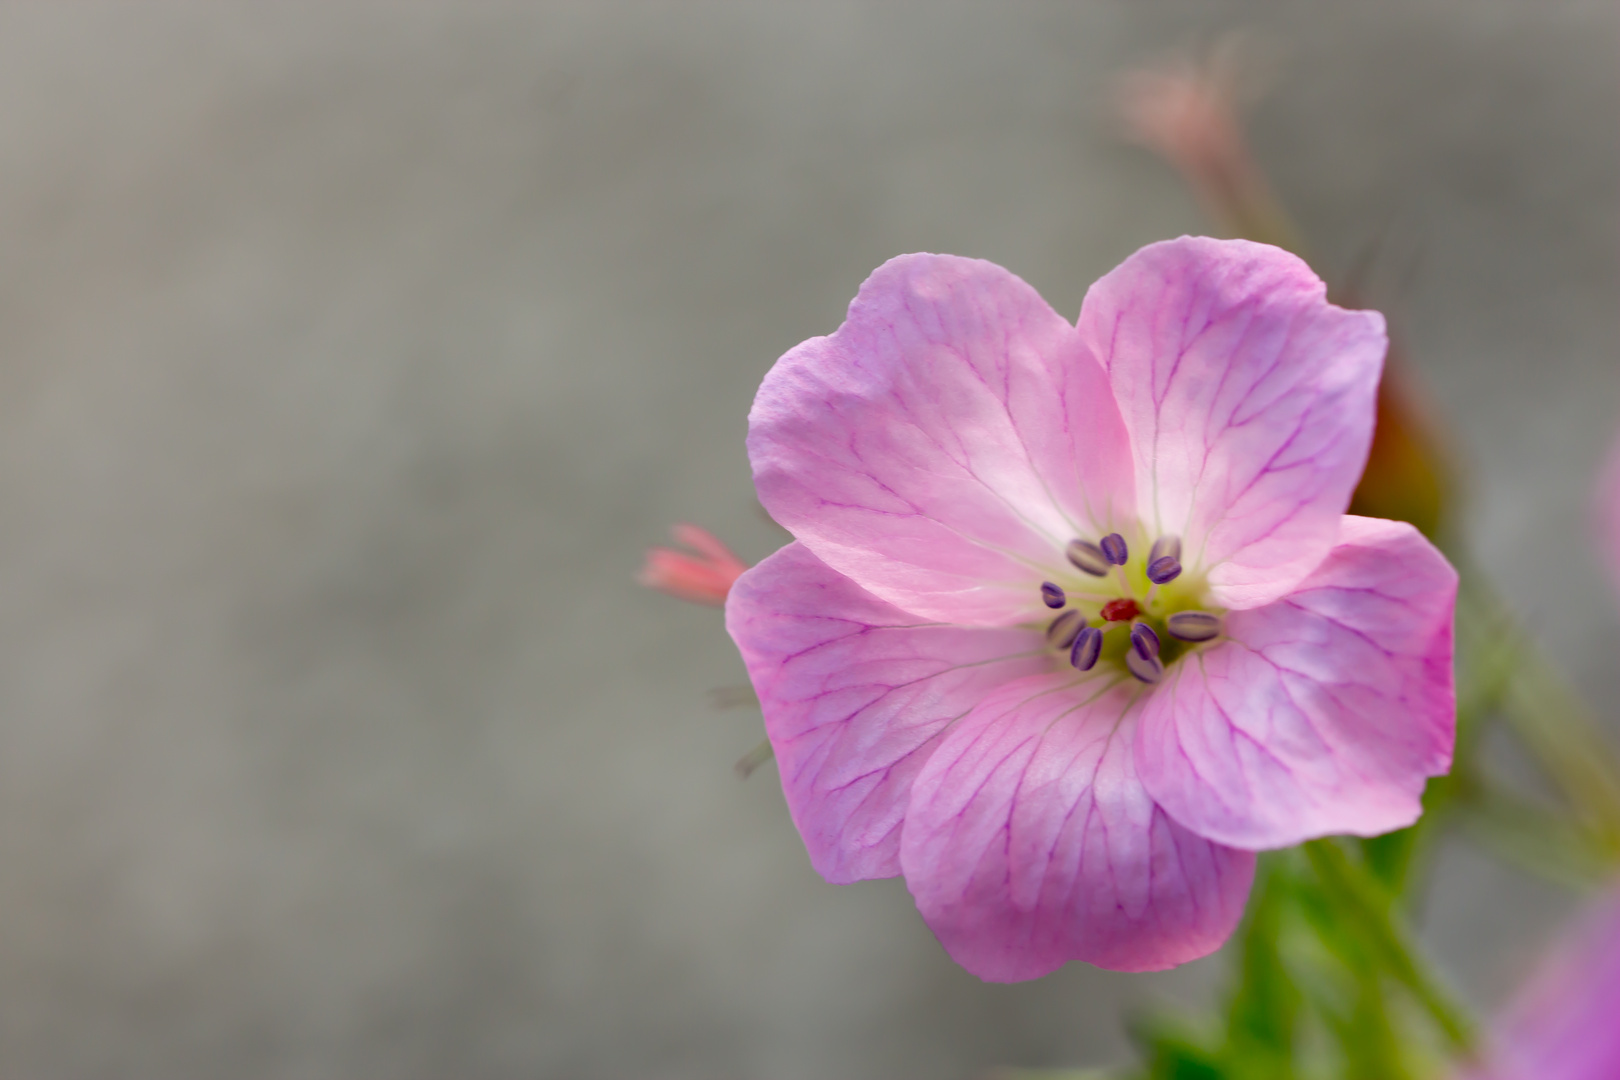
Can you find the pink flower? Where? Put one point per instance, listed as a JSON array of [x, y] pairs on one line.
[[1073, 621], [1565, 1024], [704, 578]]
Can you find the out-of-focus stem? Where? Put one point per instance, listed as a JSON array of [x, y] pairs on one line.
[[1554, 724], [752, 760], [1551, 721], [1369, 906]]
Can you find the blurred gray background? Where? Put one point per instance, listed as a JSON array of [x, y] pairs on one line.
[[350, 354]]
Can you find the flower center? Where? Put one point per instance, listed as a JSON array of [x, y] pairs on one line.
[[1120, 610], [1138, 615]]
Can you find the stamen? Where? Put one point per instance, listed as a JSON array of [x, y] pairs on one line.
[[1163, 569], [1087, 647], [1088, 557], [1165, 545], [1060, 634], [1144, 642], [1193, 625], [1114, 549], [1120, 610], [1052, 595], [1148, 669]]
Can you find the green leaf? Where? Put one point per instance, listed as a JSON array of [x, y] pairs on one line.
[[1173, 1052]]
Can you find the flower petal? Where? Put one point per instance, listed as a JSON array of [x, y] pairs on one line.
[[1030, 842], [1325, 711], [1606, 506], [1249, 399], [945, 444], [855, 694]]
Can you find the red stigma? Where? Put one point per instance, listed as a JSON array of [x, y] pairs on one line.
[[1120, 610]]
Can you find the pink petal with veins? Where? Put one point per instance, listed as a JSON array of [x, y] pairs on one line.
[[945, 444], [856, 694], [1249, 401], [1324, 712], [1030, 842]]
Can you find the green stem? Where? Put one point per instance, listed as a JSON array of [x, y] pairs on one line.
[[1368, 906], [1554, 723], [1545, 713]]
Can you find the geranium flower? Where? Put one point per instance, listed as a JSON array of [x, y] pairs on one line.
[[1073, 621]]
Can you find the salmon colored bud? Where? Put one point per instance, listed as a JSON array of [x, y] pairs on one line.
[[703, 578]]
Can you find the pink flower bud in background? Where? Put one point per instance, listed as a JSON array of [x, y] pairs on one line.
[[1607, 507], [703, 578], [1186, 110]]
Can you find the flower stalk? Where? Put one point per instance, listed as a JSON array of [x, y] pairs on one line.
[[1370, 911]]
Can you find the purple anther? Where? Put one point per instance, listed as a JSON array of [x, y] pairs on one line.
[[1114, 549], [1193, 625], [1144, 642], [1164, 568], [1088, 557], [1165, 545], [1087, 647], [1148, 669], [1053, 595], [1060, 634]]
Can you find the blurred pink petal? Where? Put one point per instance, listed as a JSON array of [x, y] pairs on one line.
[[1565, 1023], [1608, 514], [704, 578]]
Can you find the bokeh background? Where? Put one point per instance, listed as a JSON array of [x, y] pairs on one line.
[[351, 353]]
